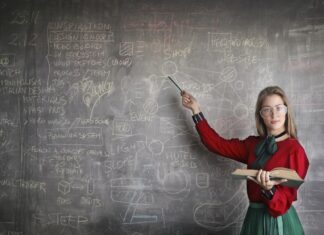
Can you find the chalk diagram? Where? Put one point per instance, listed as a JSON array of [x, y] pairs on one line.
[[217, 216], [135, 194], [224, 80]]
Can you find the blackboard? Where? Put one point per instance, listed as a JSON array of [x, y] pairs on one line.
[[93, 137]]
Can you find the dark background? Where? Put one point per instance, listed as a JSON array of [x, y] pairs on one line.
[[93, 138]]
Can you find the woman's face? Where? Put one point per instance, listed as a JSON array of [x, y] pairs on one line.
[[273, 112]]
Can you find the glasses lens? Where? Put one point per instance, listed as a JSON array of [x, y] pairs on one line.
[[267, 111]]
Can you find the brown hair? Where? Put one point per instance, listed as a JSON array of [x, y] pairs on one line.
[[290, 126]]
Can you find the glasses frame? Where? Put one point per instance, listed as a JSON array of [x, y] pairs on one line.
[[272, 110]]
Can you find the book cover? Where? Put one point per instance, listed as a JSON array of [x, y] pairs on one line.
[[293, 178]]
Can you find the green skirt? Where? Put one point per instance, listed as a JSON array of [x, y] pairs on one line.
[[259, 222]]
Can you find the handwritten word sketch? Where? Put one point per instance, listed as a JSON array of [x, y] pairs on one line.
[[94, 138]]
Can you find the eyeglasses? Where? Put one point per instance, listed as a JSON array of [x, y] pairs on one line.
[[268, 111]]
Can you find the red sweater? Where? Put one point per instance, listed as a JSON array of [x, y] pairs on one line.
[[290, 154]]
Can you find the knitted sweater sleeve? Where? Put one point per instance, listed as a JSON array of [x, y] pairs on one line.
[[234, 148], [284, 196]]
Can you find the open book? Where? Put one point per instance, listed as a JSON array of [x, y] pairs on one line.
[[293, 178]]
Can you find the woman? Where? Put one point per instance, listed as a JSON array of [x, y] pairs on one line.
[[270, 210]]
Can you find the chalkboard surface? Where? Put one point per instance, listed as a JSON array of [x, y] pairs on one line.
[[93, 137]]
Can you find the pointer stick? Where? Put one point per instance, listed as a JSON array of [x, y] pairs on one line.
[[175, 83]]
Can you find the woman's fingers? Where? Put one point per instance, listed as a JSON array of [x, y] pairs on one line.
[[186, 100], [267, 176], [254, 180], [258, 177], [263, 179], [189, 101], [184, 93], [267, 183]]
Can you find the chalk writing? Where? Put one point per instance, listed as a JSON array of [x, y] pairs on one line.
[[24, 184], [68, 220], [75, 136]]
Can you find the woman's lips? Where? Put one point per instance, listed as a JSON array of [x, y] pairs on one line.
[[274, 122]]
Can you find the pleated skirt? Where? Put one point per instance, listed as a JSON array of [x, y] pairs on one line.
[[259, 222]]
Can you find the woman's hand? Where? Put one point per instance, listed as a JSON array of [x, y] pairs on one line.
[[190, 102], [263, 179]]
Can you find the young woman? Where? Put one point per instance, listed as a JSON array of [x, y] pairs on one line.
[[271, 210]]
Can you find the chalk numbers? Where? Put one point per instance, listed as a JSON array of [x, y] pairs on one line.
[[22, 40], [24, 17]]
